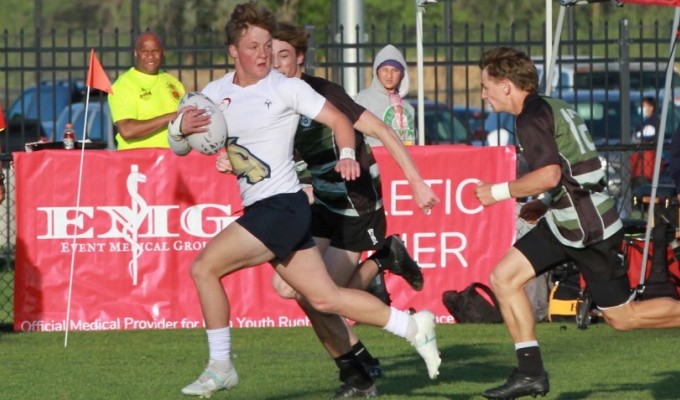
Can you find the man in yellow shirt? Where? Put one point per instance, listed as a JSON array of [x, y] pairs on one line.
[[145, 98]]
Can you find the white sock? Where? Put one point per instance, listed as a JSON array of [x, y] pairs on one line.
[[399, 323], [219, 343], [524, 345]]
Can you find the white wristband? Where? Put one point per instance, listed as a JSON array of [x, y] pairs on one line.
[[347, 152], [500, 191]]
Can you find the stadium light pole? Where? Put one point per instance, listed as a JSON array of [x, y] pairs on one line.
[[420, 9], [351, 15]]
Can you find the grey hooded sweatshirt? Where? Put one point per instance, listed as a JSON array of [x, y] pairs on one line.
[[396, 113]]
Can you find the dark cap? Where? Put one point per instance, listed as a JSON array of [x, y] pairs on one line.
[[392, 63]]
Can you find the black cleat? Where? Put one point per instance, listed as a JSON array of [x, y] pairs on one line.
[[347, 391], [520, 385], [378, 289], [394, 257]]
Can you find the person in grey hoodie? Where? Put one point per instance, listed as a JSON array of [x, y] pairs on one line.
[[384, 96]]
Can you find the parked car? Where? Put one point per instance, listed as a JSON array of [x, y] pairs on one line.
[[499, 129], [572, 75], [441, 124], [563, 77], [19, 132], [472, 118], [44, 102], [100, 128], [644, 76]]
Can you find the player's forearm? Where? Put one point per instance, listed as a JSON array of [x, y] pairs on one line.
[[536, 182], [373, 126]]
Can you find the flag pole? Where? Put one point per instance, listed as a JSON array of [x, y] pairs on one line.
[[97, 78]]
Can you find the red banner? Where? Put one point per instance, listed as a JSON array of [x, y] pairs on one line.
[[143, 215]]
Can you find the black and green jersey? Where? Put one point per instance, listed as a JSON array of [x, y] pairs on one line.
[[315, 143], [551, 132]]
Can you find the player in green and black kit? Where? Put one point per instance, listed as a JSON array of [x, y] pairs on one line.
[[348, 217], [581, 223]]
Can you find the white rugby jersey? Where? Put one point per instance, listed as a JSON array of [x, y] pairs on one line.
[[262, 120]]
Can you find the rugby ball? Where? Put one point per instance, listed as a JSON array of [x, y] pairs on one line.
[[213, 140]]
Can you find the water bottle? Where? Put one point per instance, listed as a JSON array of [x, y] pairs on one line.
[[408, 137], [69, 137]]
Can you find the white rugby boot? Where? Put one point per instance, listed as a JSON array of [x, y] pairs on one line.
[[214, 378], [425, 342]]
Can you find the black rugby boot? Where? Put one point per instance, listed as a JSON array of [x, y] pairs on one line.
[[394, 257], [347, 391], [520, 385]]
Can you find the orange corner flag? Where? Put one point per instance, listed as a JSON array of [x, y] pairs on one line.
[[96, 76]]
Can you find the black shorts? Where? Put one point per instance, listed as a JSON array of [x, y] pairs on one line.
[[356, 234], [601, 263], [281, 222]]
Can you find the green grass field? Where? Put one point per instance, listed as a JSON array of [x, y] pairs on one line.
[[596, 363]]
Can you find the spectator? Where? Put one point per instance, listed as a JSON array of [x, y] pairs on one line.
[[145, 98], [642, 161], [384, 97], [647, 131]]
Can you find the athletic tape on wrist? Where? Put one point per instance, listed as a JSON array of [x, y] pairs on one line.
[[174, 131], [500, 191], [347, 152]]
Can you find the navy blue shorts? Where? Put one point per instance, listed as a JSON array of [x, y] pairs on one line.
[[601, 263], [280, 222], [357, 234]]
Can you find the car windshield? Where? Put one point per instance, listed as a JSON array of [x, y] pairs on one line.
[[603, 119], [441, 124], [99, 121], [51, 101], [443, 127], [561, 77]]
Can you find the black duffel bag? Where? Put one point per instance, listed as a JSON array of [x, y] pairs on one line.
[[470, 306]]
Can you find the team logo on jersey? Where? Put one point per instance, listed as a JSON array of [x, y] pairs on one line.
[[267, 103], [145, 94], [174, 92], [224, 104], [305, 122], [245, 164]]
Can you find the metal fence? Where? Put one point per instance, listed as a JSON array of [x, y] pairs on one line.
[[451, 77]]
